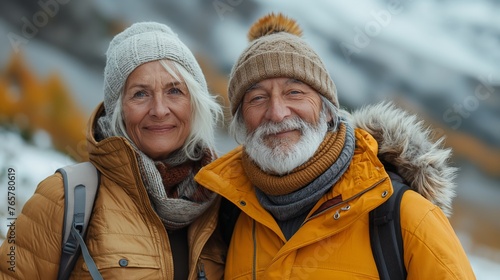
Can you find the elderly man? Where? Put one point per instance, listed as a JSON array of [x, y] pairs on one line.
[[307, 175]]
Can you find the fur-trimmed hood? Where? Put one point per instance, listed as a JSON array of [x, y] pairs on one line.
[[405, 143]]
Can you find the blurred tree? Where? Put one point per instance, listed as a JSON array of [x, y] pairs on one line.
[[28, 105]]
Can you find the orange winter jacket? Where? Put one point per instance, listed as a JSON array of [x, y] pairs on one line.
[[123, 225], [334, 242]]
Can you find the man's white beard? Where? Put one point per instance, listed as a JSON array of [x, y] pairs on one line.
[[282, 157]]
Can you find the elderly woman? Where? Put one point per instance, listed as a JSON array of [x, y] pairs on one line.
[[155, 130]]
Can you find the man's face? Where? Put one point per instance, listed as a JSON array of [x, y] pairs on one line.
[[284, 123], [277, 99]]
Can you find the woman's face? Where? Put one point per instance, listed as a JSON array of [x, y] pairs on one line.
[[156, 110]]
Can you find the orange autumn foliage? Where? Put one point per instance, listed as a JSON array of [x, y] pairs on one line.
[[31, 105]]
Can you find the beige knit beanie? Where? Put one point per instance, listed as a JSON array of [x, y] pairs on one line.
[[140, 43], [276, 50]]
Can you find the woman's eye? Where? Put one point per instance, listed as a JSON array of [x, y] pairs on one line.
[[295, 92], [174, 90], [139, 94]]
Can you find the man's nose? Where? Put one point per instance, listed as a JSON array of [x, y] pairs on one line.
[[277, 110]]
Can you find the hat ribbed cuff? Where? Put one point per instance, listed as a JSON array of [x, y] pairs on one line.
[[279, 65]]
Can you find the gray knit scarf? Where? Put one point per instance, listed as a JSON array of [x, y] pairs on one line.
[[175, 213], [292, 205]]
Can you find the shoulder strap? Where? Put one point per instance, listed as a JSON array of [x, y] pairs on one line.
[[81, 182], [228, 214], [385, 233]]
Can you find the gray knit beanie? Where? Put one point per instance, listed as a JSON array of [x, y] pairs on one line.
[[276, 50], [140, 43]]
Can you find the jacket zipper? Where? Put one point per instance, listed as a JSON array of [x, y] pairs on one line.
[[254, 237], [201, 271], [347, 200], [202, 239]]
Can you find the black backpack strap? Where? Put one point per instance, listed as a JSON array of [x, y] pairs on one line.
[[228, 214], [385, 233]]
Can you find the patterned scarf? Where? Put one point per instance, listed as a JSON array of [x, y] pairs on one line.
[[177, 198], [289, 196], [174, 176]]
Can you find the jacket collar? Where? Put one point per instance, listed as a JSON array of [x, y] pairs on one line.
[[113, 156], [405, 143]]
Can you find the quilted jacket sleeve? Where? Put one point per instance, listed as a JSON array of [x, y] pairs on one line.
[[432, 249], [35, 250]]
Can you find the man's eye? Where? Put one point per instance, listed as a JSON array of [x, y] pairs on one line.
[[257, 98]]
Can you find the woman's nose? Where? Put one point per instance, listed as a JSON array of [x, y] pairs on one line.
[[159, 106]]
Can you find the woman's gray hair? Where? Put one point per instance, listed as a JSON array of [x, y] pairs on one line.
[[237, 128], [206, 113]]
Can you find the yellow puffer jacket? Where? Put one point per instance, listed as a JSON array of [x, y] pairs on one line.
[[333, 242], [123, 226]]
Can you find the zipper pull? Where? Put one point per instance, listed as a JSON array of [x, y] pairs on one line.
[[201, 272]]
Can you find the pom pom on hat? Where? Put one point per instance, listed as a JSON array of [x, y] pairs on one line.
[[271, 24], [276, 50]]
